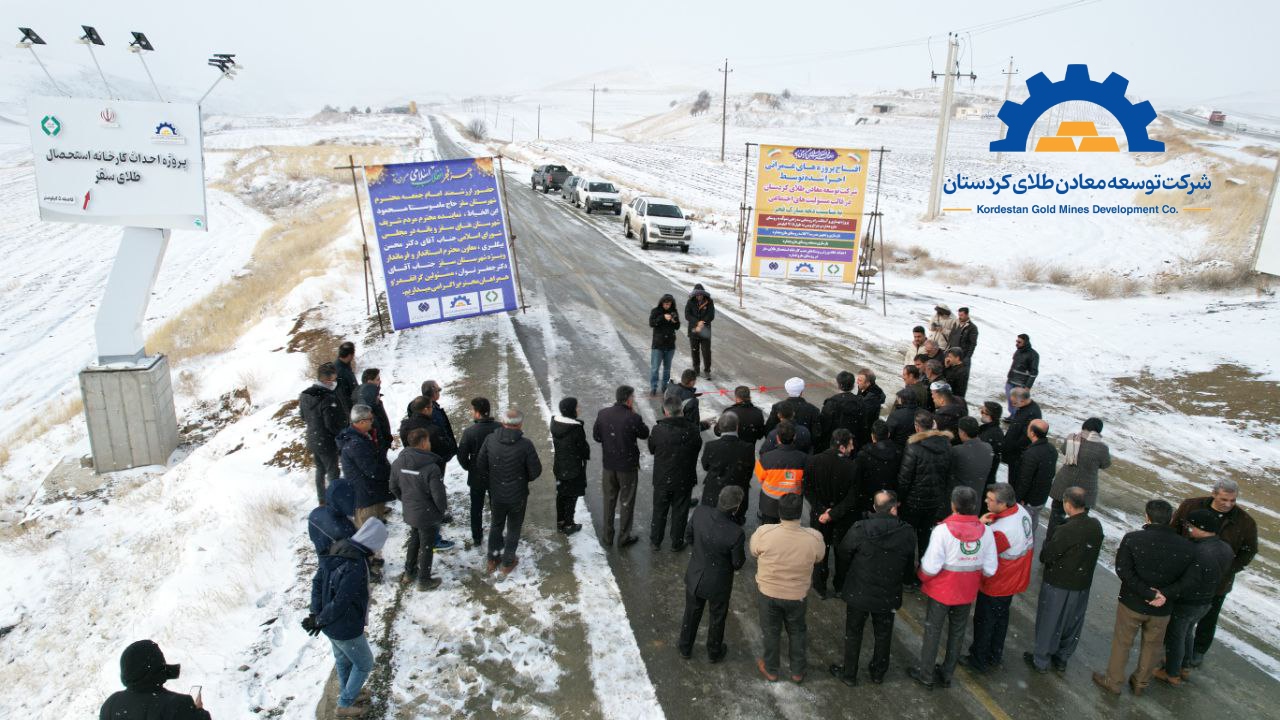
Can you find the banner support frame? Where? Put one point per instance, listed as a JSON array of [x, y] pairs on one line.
[[511, 233], [364, 247]]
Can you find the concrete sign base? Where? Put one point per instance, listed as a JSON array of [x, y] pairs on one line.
[[130, 413]]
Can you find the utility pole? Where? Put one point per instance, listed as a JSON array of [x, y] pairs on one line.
[[724, 107], [497, 108], [1008, 81], [951, 72], [513, 127], [539, 122], [593, 113]]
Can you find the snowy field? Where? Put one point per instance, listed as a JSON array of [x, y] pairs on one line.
[[210, 557]]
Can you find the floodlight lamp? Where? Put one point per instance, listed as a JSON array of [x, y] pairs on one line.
[[91, 36], [29, 38], [140, 42]]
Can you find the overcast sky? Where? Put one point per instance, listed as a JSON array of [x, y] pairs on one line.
[[301, 54]]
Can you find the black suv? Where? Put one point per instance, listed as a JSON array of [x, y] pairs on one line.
[[549, 177]]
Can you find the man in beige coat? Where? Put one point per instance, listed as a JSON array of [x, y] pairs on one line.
[[785, 554]]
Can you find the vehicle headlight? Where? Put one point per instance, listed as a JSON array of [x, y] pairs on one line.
[[688, 232], [654, 230]]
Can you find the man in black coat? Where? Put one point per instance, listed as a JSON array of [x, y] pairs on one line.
[[956, 371], [803, 440], [320, 410], [370, 393], [1194, 593], [1069, 557], [1035, 471], [872, 400], [418, 483], [419, 417], [831, 487], [444, 443], [990, 433], [572, 451], [842, 410], [510, 461], [675, 443], [1023, 371], [880, 553], [750, 418], [901, 423], [878, 464], [719, 550], [924, 479], [1015, 435], [346, 367], [971, 460], [806, 414], [482, 426], [686, 392], [617, 429], [727, 460], [699, 312], [964, 335], [665, 320], [950, 409], [365, 467], [144, 673], [1149, 562]]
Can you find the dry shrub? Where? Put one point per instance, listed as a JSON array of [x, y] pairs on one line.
[[1059, 275], [1109, 285], [287, 254], [1031, 271]]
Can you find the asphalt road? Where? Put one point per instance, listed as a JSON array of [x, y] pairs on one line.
[[587, 332]]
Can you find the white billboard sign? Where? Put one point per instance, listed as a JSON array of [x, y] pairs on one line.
[[1268, 257], [116, 162]]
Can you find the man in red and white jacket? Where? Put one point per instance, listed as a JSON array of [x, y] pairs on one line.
[[961, 552], [1013, 529]]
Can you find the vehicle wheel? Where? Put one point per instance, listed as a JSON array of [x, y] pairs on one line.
[[587, 207], [684, 248], [545, 189], [618, 211], [626, 229], [533, 185], [644, 243]]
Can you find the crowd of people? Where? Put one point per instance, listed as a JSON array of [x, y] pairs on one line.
[[907, 502]]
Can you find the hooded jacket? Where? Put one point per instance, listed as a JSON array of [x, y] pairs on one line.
[[365, 467], [880, 553], [941, 336], [417, 481], [331, 522], [617, 429], [571, 453], [322, 413], [960, 553], [1025, 367], [675, 443], [694, 314], [664, 331], [347, 385], [925, 477], [340, 591], [510, 461], [144, 672]]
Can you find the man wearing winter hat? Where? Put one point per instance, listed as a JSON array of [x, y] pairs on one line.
[[144, 672], [1193, 596], [699, 312], [806, 413], [340, 609], [941, 325]]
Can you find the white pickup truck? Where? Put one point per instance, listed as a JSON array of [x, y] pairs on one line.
[[658, 222], [597, 195]]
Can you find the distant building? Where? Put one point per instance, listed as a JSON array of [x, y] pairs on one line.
[[967, 111], [883, 109]]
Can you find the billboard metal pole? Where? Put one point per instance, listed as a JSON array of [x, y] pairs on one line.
[[511, 234], [364, 247]]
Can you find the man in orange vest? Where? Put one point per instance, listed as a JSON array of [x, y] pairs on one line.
[[780, 472], [1012, 528]]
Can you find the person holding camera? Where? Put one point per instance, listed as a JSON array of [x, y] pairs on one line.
[[665, 320], [144, 673], [699, 312]]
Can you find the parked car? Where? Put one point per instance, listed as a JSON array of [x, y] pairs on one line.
[[598, 195], [549, 177], [657, 221], [569, 191]]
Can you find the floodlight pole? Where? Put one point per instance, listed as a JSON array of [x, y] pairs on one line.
[[110, 93], [47, 74], [211, 87], [154, 86]]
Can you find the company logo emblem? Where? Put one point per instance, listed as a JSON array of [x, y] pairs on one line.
[[50, 125], [1026, 526], [423, 311], [424, 306], [1019, 118], [492, 295], [970, 548], [167, 134], [108, 118], [773, 266], [833, 269], [460, 301], [805, 268], [198, 222]]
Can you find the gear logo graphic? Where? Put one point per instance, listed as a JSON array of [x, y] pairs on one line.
[[1019, 118]]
